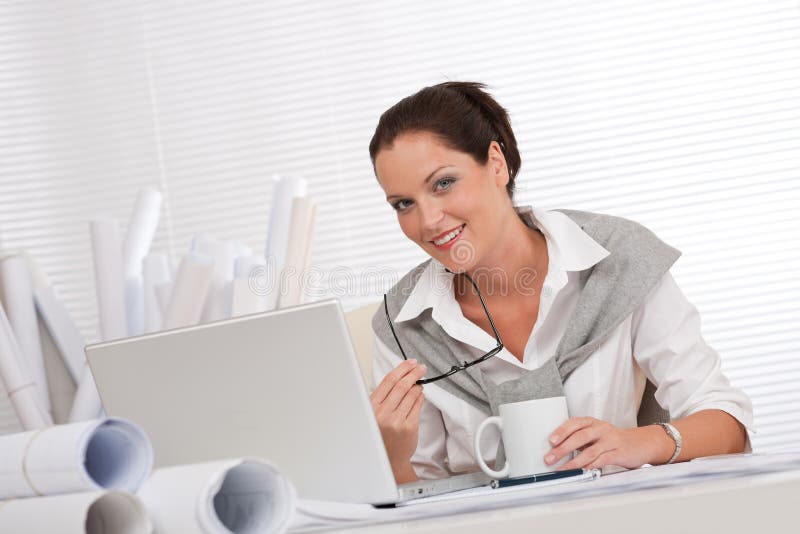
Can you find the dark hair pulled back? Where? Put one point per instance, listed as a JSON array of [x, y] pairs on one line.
[[462, 114]]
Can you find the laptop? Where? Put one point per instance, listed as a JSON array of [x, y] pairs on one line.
[[282, 385]]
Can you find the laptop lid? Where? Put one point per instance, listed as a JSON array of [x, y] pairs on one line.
[[281, 385]]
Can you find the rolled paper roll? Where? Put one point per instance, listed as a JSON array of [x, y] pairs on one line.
[[109, 279], [20, 387], [155, 271], [163, 296], [86, 404], [98, 512], [239, 496], [189, 291], [138, 239], [285, 190], [63, 330], [246, 294], [21, 310], [89, 456], [218, 299], [298, 257]]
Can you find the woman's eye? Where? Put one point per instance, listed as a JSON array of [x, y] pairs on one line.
[[444, 183], [401, 205]]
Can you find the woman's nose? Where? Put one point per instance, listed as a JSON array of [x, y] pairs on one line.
[[430, 215]]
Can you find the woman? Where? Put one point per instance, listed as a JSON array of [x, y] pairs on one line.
[[583, 305]]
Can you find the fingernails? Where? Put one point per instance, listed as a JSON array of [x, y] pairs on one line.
[[423, 367], [549, 459], [412, 361], [554, 438]]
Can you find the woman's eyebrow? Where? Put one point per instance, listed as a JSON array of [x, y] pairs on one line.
[[428, 179]]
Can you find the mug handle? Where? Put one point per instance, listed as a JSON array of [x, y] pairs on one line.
[[498, 422]]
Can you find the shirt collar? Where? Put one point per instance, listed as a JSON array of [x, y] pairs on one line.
[[576, 251]]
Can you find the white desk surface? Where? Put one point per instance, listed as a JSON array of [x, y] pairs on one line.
[[757, 504]]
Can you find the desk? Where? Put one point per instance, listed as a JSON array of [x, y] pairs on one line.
[[756, 504]]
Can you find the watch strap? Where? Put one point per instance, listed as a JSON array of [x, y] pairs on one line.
[[675, 435]]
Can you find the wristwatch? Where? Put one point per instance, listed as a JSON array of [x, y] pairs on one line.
[[673, 433]]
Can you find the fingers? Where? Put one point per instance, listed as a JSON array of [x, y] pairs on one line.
[[390, 380], [586, 431], [409, 401], [568, 428], [589, 457], [402, 387]]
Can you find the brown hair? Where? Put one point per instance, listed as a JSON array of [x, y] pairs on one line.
[[462, 114]]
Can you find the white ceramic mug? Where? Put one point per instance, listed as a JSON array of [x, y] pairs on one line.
[[525, 428]]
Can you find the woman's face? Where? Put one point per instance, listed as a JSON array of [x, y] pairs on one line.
[[446, 202]]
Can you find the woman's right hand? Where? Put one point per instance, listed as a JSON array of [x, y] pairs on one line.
[[397, 402]]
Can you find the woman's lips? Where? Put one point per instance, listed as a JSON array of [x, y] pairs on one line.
[[445, 246]]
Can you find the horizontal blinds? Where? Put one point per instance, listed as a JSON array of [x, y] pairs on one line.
[[681, 115]]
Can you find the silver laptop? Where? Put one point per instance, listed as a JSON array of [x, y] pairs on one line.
[[282, 385]]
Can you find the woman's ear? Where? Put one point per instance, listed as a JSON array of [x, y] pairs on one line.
[[496, 161]]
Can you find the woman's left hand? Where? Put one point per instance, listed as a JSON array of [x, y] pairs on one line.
[[600, 443]]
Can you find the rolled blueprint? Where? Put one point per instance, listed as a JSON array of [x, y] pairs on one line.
[[89, 456], [298, 255], [99, 512], [86, 404], [141, 229], [280, 216], [21, 309], [109, 279], [61, 326], [246, 296], [218, 300], [189, 291], [20, 387], [163, 295], [155, 271], [238, 496]]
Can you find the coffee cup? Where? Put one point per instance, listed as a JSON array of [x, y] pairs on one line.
[[525, 428]]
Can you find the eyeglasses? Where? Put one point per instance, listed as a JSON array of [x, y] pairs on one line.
[[456, 368]]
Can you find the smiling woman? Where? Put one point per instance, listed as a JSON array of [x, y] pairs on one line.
[[584, 303]]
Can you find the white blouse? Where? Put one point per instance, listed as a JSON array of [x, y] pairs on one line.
[[661, 341]]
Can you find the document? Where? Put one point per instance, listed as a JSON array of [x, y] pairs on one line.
[[243, 495], [90, 456], [98, 512]]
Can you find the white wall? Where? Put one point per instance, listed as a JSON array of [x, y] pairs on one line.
[[682, 115]]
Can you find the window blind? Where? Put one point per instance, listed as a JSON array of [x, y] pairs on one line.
[[683, 116]]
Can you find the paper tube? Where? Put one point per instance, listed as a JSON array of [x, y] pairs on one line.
[[246, 296], [101, 512], [20, 387], [109, 279], [225, 496], [21, 310], [218, 300], [89, 456], [155, 271], [141, 229], [189, 291], [298, 255], [62, 329], [280, 216], [86, 404], [163, 295]]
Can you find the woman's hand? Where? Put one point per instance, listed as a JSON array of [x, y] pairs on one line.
[[600, 443], [397, 402]]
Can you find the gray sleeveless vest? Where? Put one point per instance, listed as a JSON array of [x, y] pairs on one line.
[[612, 290]]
